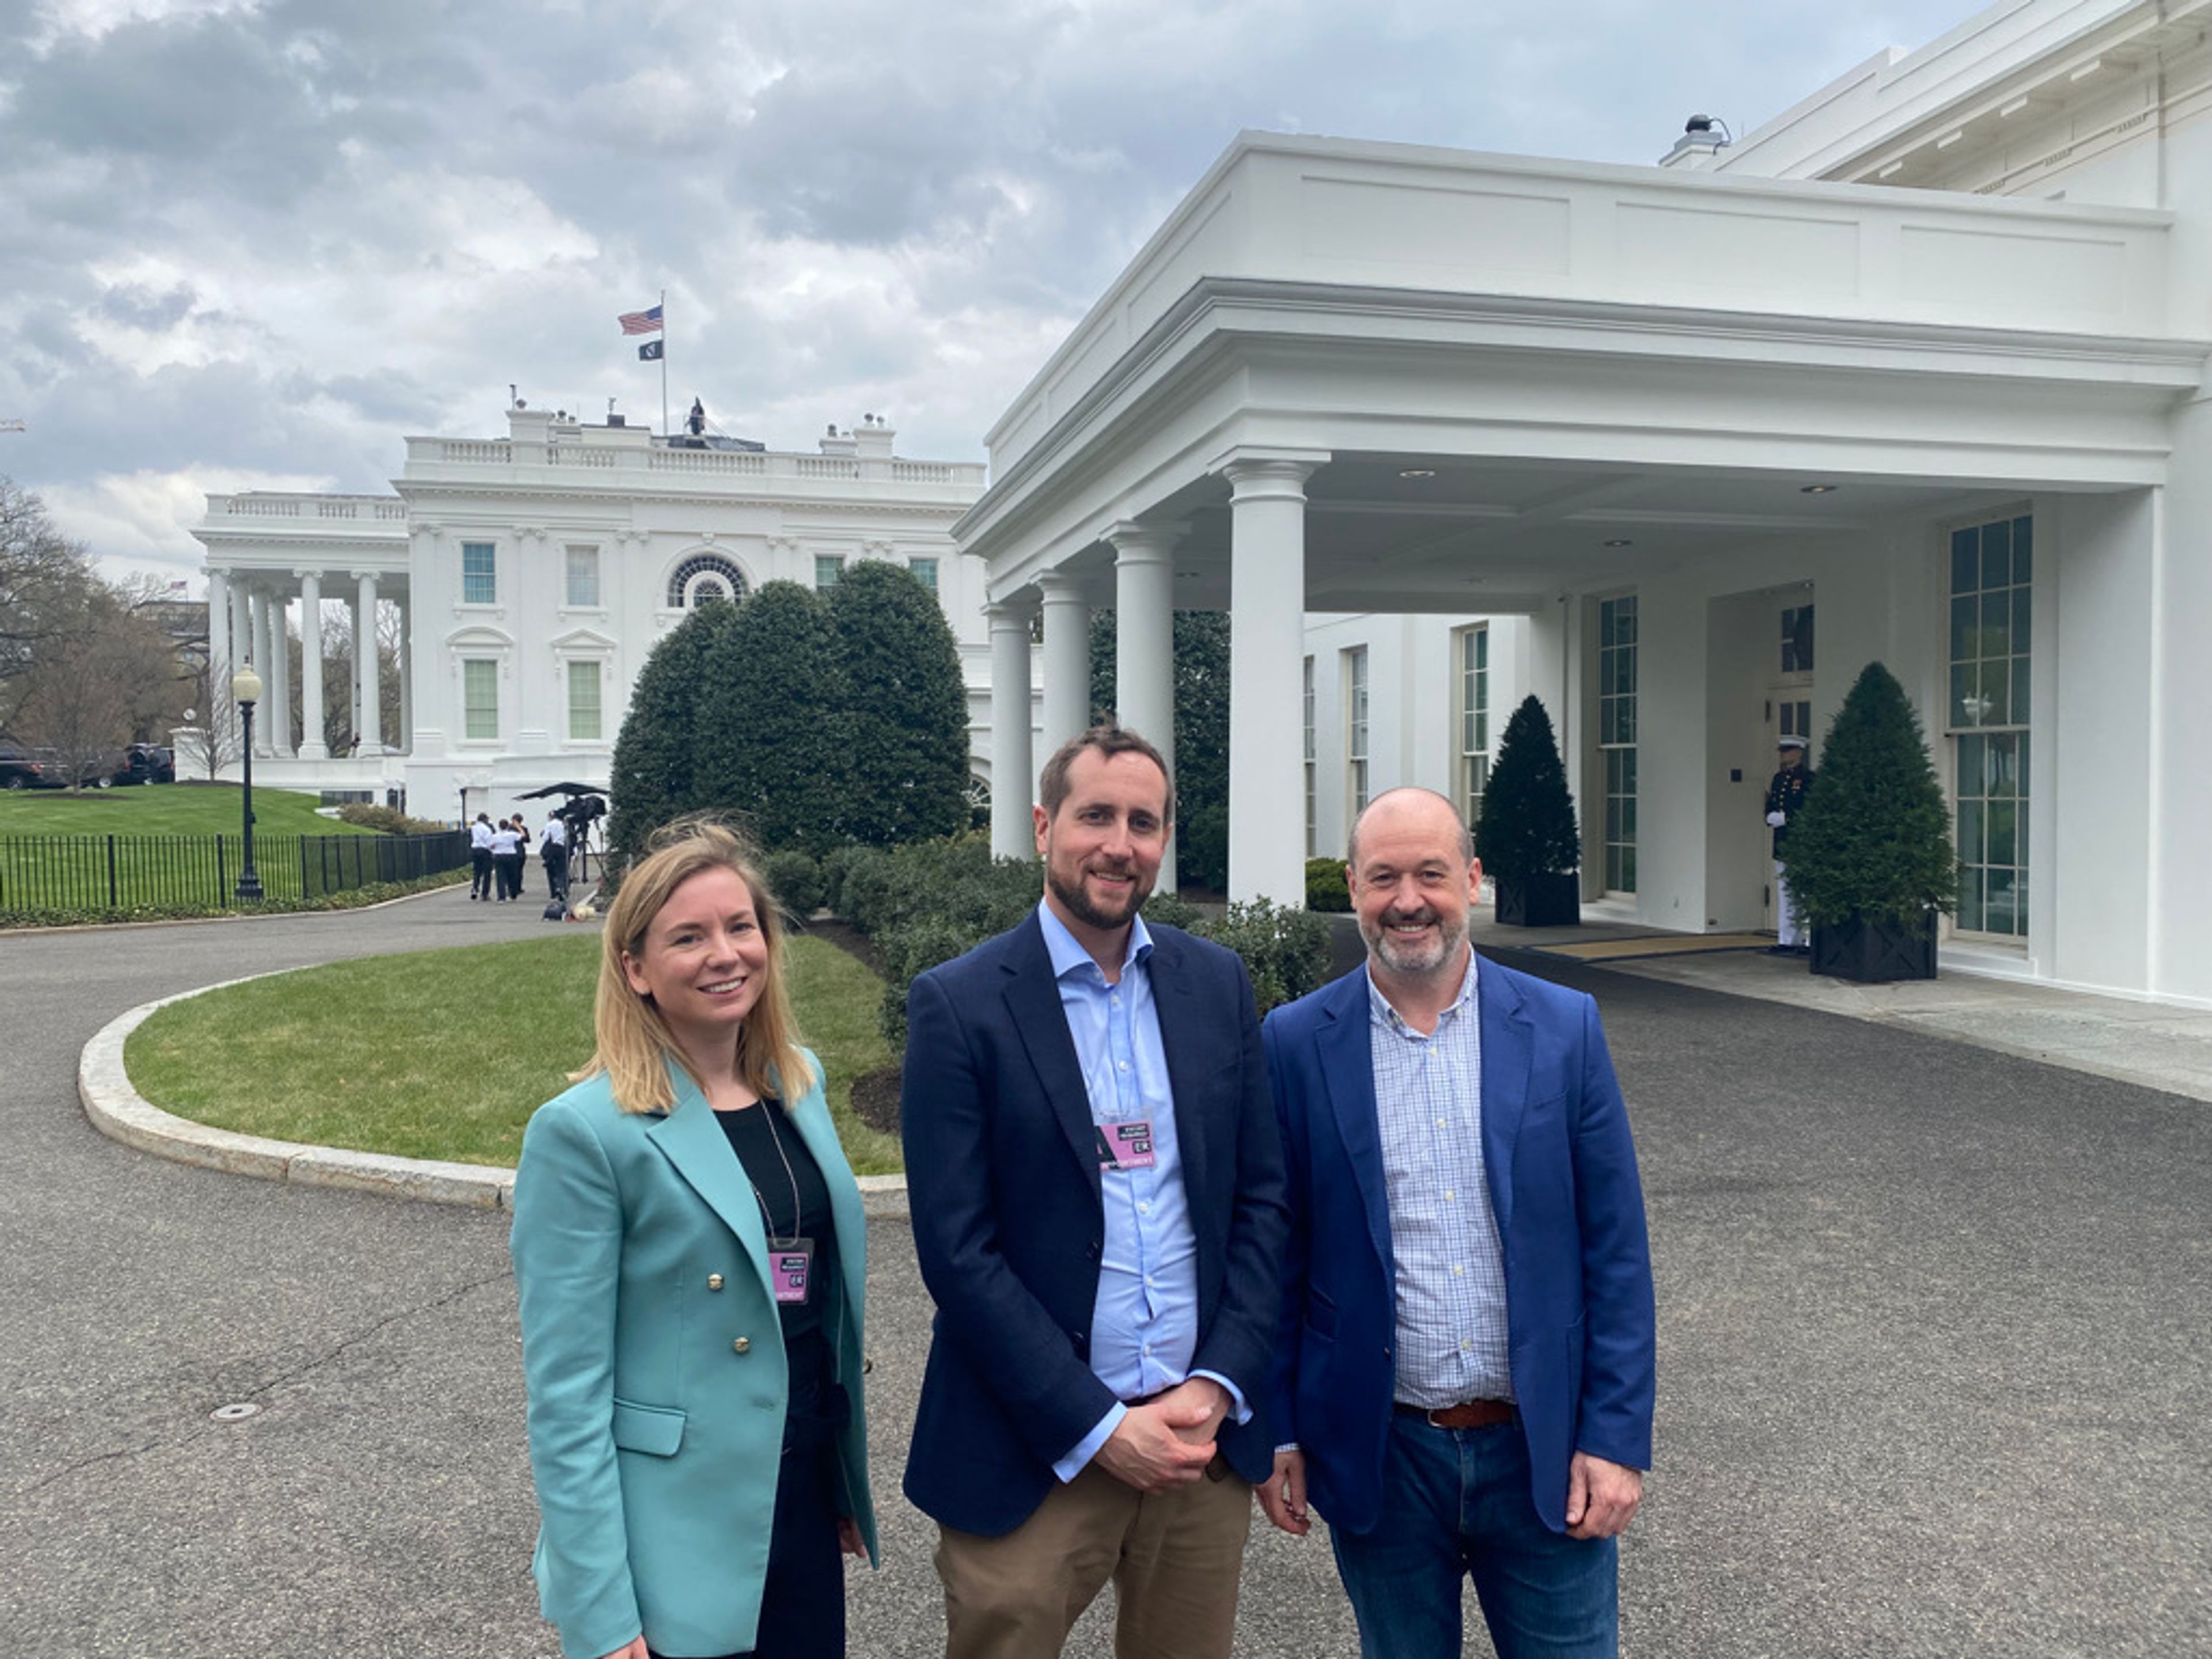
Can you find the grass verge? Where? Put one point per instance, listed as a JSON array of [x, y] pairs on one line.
[[445, 1053], [354, 898], [164, 809]]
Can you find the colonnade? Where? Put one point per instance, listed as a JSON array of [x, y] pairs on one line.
[[1267, 613], [249, 612]]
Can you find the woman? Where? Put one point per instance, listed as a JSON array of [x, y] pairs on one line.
[[505, 858], [690, 1252]]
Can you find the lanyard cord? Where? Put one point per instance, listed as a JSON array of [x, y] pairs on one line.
[[768, 1220]]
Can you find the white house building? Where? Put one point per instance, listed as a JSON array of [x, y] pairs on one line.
[[533, 574], [1922, 361]]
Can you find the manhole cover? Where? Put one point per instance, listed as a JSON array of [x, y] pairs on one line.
[[237, 1413]]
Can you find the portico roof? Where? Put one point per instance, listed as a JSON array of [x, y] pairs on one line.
[[1498, 365]]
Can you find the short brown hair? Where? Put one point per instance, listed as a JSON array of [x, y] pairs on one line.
[[1109, 740]]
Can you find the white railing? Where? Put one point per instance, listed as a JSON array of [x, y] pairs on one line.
[[705, 461], [588, 451]]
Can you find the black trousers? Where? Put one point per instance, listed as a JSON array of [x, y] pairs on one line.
[[507, 870], [803, 1603], [480, 873], [557, 870]]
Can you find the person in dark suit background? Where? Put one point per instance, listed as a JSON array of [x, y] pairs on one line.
[[1466, 1374], [1098, 1198]]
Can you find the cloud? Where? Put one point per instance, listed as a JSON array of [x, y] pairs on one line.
[[268, 238]]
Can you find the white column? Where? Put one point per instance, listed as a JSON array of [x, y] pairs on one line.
[[1013, 782], [1267, 621], [372, 687], [313, 744], [1066, 660], [407, 677], [1144, 643], [218, 716], [280, 675], [258, 608]]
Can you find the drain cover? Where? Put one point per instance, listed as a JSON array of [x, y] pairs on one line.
[[237, 1413]]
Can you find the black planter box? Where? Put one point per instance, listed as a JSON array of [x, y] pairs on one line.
[[1875, 952], [1541, 902]]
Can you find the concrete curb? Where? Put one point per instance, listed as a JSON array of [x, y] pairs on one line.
[[121, 1113], [218, 920]]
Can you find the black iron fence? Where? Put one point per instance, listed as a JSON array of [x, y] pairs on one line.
[[94, 872]]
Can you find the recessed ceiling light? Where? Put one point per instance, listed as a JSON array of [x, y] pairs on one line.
[[1816, 490], [1416, 472], [1620, 541]]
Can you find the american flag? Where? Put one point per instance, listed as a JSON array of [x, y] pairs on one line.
[[640, 322]]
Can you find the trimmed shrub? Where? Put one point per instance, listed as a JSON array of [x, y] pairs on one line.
[[388, 821], [1285, 950], [1326, 887], [651, 773], [796, 881], [906, 705], [834, 866], [1527, 822], [773, 735], [1873, 839]]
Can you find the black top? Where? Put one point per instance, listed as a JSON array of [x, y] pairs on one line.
[[1785, 794], [755, 1133]]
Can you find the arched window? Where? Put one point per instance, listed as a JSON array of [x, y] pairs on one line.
[[702, 578]]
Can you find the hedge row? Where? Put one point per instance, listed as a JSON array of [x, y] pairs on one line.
[[387, 820], [354, 898], [928, 902]]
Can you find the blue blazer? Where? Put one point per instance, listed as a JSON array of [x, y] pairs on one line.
[[1002, 1173], [1561, 1170], [654, 1357]]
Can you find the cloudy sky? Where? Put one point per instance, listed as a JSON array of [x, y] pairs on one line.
[[252, 243]]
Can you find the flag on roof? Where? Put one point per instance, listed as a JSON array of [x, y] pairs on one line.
[[640, 322], [649, 352]]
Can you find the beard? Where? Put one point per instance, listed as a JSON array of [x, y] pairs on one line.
[[1416, 958], [1079, 904]]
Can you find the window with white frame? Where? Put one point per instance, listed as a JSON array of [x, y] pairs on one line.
[[925, 571], [479, 573], [1355, 733], [1992, 617], [1474, 720], [702, 579], [828, 567], [480, 698], [583, 577], [1313, 768], [1616, 635], [585, 721]]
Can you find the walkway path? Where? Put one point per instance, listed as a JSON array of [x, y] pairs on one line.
[[1932, 1375]]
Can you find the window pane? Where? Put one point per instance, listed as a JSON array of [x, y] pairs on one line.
[[1969, 900], [1966, 611], [827, 568], [2023, 550], [480, 693], [2022, 609], [583, 576], [1965, 560], [2000, 850], [1997, 695], [1964, 686], [2019, 762], [1970, 832], [925, 571], [1996, 555], [1970, 766], [479, 577], [584, 701], [2004, 781], [1997, 906], [2020, 704], [1995, 635]]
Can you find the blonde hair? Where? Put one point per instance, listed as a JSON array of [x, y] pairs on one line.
[[634, 1042]]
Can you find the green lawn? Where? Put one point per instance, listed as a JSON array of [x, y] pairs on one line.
[[445, 1053], [162, 809]]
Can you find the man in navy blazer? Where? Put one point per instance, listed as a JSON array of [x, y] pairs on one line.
[[1096, 1189], [1465, 1372]]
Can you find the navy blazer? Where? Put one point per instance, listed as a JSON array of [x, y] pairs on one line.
[[1561, 1170], [1002, 1176]]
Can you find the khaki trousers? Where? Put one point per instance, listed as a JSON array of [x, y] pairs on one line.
[[1174, 1559]]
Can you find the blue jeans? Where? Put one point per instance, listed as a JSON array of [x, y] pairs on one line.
[[1456, 1501]]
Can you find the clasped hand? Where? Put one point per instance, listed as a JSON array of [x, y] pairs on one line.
[[1168, 1442]]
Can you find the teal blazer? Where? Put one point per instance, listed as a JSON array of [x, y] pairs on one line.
[[655, 1362]]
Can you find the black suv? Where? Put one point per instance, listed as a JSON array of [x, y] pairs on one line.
[[20, 768], [148, 763]]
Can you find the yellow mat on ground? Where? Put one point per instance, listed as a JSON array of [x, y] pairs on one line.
[[1667, 945]]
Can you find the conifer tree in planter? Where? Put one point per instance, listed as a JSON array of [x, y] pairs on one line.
[[1868, 859], [1526, 835]]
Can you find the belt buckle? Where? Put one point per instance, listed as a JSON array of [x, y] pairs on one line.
[[1428, 1414]]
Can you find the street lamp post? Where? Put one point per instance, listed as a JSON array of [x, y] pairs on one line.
[[246, 687]]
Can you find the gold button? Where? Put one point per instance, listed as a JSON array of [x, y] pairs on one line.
[[714, 1281], [743, 1345]]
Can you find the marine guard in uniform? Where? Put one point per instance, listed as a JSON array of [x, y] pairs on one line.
[[1784, 796]]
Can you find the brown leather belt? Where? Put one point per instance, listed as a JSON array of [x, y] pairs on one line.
[[1468, 1415]]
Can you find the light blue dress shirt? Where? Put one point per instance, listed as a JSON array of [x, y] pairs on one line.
[[1144, 1327], [1450, 1265]]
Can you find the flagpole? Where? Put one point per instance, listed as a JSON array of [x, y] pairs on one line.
[[664, 364]]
